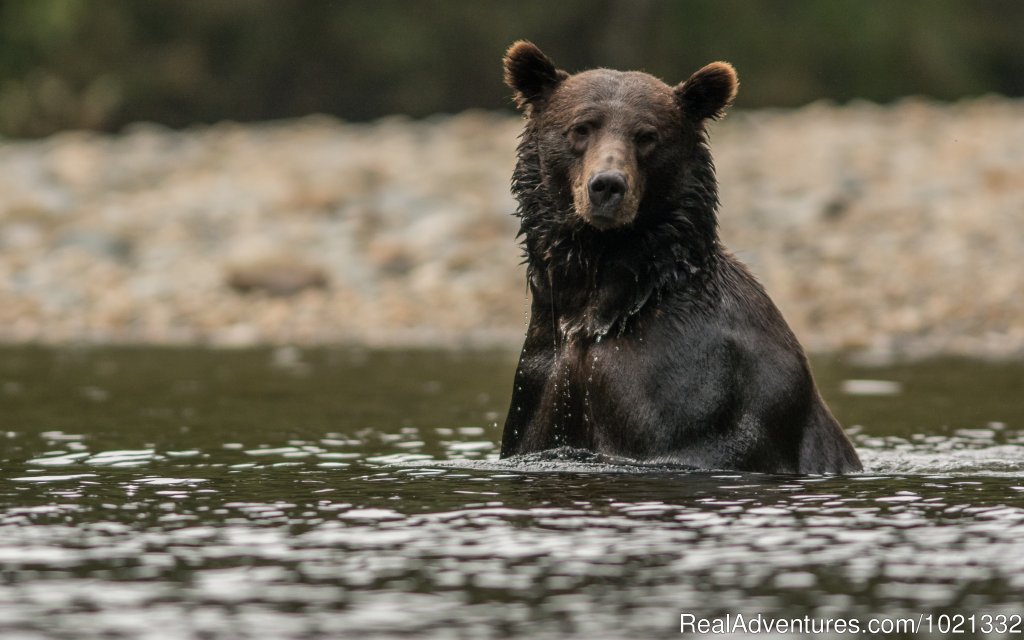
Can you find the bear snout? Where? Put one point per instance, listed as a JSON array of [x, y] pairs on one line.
[[610, 199], [606, 190]]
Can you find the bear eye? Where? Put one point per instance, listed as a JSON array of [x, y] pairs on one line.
[[646, 138], [582, 129]]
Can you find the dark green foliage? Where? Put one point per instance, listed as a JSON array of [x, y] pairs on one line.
[[104, 63]]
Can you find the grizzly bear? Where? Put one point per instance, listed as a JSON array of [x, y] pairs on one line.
[[647, 340]]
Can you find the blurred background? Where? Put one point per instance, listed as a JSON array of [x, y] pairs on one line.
[[102, 65], [165, 177]]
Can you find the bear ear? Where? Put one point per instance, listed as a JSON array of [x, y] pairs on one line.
[[709, 92], [530, 73]]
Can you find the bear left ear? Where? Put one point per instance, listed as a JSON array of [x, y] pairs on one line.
[[530, 73], [709, 92]]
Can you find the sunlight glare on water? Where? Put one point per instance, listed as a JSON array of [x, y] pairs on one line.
[[225, 494]]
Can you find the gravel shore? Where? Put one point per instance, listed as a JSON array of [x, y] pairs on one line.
[[891, 231]]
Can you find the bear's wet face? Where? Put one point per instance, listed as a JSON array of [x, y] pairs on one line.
[[605, 127], [603, 135]]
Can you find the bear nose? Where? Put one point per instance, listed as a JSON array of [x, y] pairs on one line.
[[607, 187]]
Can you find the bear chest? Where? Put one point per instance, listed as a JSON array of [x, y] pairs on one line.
[[640, 394]]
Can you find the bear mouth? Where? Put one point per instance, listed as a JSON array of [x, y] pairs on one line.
[[613, 216], [601, 218]]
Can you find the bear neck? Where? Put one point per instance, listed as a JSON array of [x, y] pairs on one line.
[[592, 283]]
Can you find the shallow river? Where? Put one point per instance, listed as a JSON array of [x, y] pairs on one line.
[[347, 493]]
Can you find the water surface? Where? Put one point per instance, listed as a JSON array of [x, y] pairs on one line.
[[350, 493]]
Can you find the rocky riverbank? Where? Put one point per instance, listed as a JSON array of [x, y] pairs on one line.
[[892, 230]]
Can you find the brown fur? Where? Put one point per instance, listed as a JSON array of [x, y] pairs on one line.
[[647, 339], [613, 119], [529, 72], [709, 92]]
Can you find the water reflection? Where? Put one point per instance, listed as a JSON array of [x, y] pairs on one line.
[[254, 502]]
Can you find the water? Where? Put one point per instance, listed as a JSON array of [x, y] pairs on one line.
[[344, 493]]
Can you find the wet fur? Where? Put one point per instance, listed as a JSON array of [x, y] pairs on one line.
[[650, 341]]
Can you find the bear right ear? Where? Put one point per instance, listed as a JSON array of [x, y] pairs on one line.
[[530, 73]]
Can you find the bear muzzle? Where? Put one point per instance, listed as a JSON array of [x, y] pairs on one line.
[[610, 202], [606, 189]]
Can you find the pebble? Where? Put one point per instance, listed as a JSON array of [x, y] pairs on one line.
[[277, 276], [888, 231]]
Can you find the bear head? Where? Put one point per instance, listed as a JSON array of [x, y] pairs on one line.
[[612, 143]]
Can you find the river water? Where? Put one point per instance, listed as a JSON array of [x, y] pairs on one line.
[[283, 494]]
